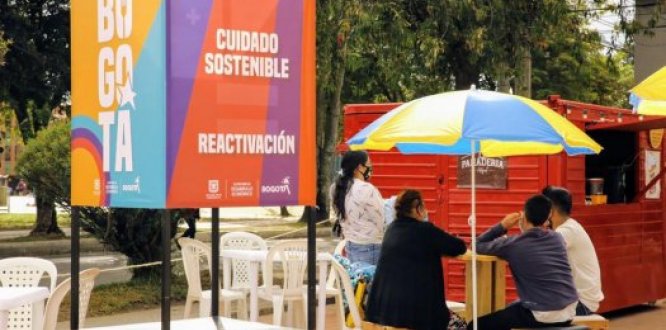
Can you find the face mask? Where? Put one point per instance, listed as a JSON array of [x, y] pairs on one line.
[[425, 217], [366, 173]]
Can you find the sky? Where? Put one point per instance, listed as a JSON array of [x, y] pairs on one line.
[[606, 21]]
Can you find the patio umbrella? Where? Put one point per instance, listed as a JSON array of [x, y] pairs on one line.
[[649, 97], [467, 122]]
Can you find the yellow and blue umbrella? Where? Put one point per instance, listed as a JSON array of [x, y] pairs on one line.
[[649, 97], [464, 122], [454, 123]]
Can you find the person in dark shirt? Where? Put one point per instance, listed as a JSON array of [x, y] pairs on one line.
[[190, 216], [538, 261], [408, 287]]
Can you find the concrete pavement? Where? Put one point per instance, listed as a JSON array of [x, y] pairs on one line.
[[636, 318]]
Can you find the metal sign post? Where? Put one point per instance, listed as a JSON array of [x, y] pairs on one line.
[[75, 268], [166, 270], [312, 265]]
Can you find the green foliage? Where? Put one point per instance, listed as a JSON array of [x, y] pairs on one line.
[[19, 221], [4, 47], [36, 75], [575, 67], [45, 163], [406, 49], [135, 233]]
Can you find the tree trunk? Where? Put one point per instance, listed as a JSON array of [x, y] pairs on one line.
[[503, 79], [284, 212], [329, 106], [109, 224], [47, 220], [465, 76], [24, 122], [524, 78], [332, 128]]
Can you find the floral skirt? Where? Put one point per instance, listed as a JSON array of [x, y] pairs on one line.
[[456, 322]]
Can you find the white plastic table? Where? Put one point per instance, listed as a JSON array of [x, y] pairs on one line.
[[256, 259], [14, 297], [196, 324]]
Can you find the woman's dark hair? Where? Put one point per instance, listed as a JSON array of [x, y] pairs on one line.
[[350, 161], [406, 201], [560, 197]]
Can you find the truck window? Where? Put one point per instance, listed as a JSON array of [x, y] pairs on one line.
[[616, 165]]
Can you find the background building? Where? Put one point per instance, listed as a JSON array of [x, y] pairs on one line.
[[650, 51]]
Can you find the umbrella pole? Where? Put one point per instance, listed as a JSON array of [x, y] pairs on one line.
[[472, 223]]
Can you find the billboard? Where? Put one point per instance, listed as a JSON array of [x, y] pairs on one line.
[[218, 111], [241, 103], [118, 103]]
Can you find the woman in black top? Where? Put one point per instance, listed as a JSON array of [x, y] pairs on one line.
[[408, 287]]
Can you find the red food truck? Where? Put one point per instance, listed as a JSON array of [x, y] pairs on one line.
[[618, 194]]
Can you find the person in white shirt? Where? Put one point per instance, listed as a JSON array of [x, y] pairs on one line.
[[359, 207], [389, 210], [580, 251]]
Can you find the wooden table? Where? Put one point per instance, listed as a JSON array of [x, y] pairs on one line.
[[197, 324], [14, 297], [256, 259], [491, 284]]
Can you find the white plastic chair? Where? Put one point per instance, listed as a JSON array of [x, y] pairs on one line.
[[86, 285], [192, 251], [240, 269], [291, 256], [344, 282], [25, 272], [332, 287]]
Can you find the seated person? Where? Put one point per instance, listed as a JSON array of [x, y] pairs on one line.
[[538, 261], [580, 250], [408, 288], [389, 210]]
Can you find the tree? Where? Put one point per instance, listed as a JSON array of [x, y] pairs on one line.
[[135, 233], [36, 74], [4, 46], [575, 67], [45, 166], [335, 21]]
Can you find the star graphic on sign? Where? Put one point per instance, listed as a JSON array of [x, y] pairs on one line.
[[193, 16], [127, 94]]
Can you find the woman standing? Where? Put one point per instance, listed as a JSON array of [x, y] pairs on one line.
[[359, 207], [408, 287]]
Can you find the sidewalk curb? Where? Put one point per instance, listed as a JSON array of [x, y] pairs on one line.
[[62, 246], [48, 248]]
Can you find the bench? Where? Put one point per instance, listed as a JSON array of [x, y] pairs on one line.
[[456, 307], [372, 326], [594, 322], [572, 327]]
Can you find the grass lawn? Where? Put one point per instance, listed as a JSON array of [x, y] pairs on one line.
[[36, 238], [128, 297], [27, 221]]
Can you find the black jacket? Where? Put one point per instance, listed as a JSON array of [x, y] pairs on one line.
[[408, 287]]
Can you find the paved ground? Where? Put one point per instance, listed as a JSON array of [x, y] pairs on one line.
[[642, 317], [636, 318]]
